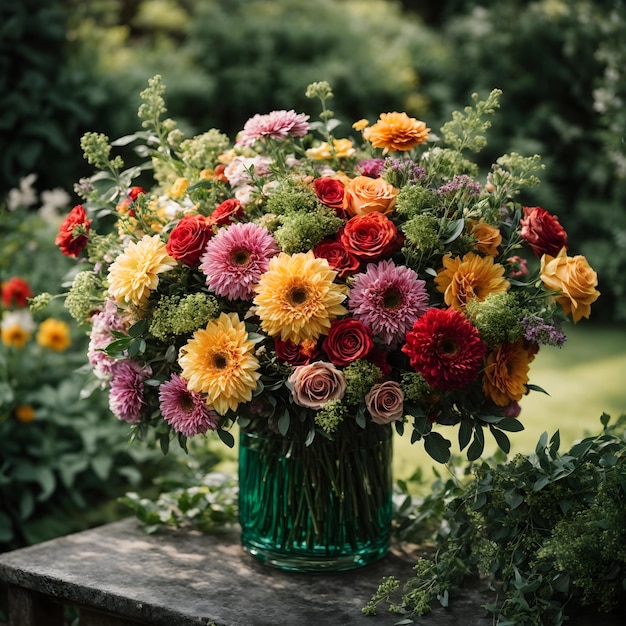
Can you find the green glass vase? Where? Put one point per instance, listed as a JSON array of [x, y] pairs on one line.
[[323, 507]]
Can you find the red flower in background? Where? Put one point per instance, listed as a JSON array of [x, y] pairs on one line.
[[542, 231], [446, 348], [73, 232], [296, 353], [15, 292]]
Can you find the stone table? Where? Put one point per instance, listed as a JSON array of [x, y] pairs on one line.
[[119, 576]]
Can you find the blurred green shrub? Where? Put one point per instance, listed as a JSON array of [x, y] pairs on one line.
[[63, 457]]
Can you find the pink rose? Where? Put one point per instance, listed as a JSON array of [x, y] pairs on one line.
[[314, 385], [385, 402]]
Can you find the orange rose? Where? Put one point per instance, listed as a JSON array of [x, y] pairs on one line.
[[368, 195], [574, 280], [488, 238]]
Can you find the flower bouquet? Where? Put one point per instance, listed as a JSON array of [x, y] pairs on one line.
[[317, 291]]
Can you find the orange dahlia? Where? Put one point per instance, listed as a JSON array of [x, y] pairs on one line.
[[396, 132], [472, 276], [506, 372]]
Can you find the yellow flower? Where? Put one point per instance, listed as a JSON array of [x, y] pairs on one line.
[[472, 276], [135, 273], [24, 413], [297, 298], [396, 132], [506, 373], [17, 328], [219, 361], [178, 188], [360, 125], [488, 237], [341, 148], [54, 334], [574, 280]]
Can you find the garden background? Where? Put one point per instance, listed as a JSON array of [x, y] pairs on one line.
[[67, 67]]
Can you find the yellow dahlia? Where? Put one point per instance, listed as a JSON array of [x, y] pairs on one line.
[[297, 299], [54, 334], [472, 276], [219, 361], [135, 273], [395, 132]]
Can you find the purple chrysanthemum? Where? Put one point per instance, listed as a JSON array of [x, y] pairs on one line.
[[388, 299], [127, 389], [185, 411], [235, 259], [274, 125]]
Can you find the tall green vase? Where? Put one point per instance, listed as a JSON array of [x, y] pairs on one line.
[[325, 507]]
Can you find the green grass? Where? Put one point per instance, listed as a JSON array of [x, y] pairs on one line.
[[584, 378]]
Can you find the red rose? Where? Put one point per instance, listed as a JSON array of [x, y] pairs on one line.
[[379, 358], [370, 237], [15, 292], [330, 192], [72, 235], [188, 239], [294, 353], [134, 192], [338, 257], [542, 232], [225, 212], [348, 340]]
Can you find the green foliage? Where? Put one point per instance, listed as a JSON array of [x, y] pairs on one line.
[[208, 502], [541, 530], [58, 469]]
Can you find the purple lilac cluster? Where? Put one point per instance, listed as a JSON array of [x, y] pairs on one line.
[[537, 330], [460, 182], [409, 169]]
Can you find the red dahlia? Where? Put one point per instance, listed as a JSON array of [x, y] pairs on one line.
[[445, 347]]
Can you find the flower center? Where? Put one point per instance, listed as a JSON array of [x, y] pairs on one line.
[[392, 298], [297, 295], [186, 403], [240, 257], [220, 361], [448, 347]]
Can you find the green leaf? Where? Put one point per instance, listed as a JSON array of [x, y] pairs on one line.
[[478, 444], [465, 433], [226, 437], [536, 388], [138, 328], [511, 425], [502, 440], [283, 422], [437, 446]]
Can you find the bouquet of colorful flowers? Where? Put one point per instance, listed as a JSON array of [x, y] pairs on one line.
[[310, 284]]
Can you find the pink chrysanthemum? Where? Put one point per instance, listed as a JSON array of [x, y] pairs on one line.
[[275, 125], [388, 299], [446, 348], [126, 396], [235, 259], [185, 411], [100, 337]]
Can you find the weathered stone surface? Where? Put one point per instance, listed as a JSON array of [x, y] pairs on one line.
[[184, 578]]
